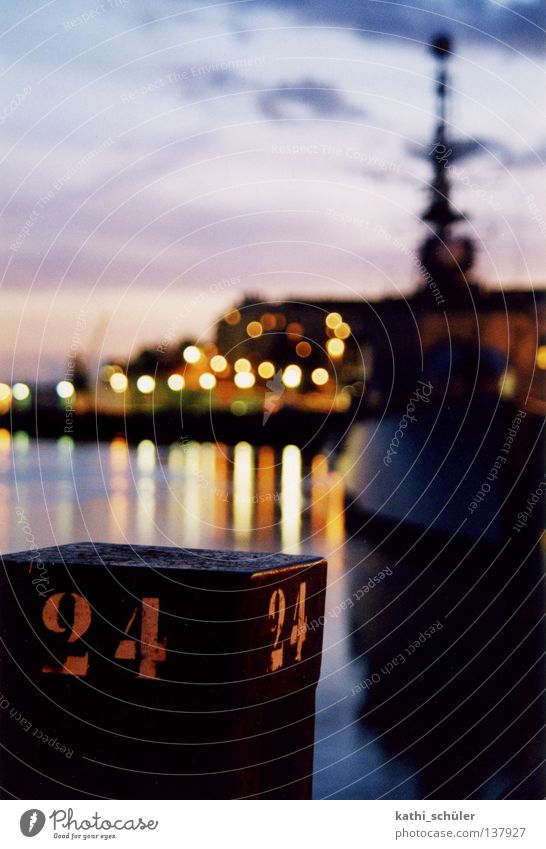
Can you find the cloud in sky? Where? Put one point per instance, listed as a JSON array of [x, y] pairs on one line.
[[149, 147], [307, 96], [461, 149], [517, 24]]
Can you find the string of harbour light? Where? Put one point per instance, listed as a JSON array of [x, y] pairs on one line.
[[292, 376]]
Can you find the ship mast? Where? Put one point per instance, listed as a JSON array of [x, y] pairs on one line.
[[446, 259], [440, 213]]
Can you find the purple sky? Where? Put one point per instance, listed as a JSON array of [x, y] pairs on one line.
[[162, 158]]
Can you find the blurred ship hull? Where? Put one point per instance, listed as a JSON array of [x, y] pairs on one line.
[[463, 469]]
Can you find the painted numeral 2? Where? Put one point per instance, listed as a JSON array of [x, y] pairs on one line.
[[298, 631]]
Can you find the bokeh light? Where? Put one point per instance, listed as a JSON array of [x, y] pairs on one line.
[[118, 382], [320, 377], [233, 317], [332, 320], [218, 363], [191, 354], [342, 330], [176, 382], [254, 329], [266, 369], [145, 384], [335, 347], [20, 391], [303, 349], [291, 376], [244, 380], [65, 389], [207, 381], [242, 365]]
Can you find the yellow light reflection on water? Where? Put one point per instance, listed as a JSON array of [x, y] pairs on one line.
[[175, 460], [291, 499], [335, 525], [119, 456], [214, 493], [21, 441], [119, 484], [5, 441], [207, 480], [266, 496], [21, 461], [195, 495], [146, 456], [319, 492], [66, 514], [243, 491], [221, 500], [175, 498], [7, 524], [146, 503], [146, 491], [192, 503], [119, 516], [65, 446]]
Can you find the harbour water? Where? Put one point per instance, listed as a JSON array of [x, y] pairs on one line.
[[432, 673]]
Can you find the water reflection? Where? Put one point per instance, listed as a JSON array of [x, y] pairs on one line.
[[5, 450], [21, 443], [118, 484], [291, 504], [448, 647], [243, 491], [146, 500], [266, 494], [188, 494], [191, 498]]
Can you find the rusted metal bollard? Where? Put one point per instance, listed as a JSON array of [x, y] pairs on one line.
[[158, 673]]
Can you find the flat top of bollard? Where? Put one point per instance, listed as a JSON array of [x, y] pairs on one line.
[[160, 557]]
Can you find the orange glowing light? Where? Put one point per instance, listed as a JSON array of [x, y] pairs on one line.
[[254, 329], [303, 349], [335, 347]]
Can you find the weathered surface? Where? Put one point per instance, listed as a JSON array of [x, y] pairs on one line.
[[162, 557]]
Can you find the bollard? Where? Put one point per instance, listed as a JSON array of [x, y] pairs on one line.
[[136, 672]]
